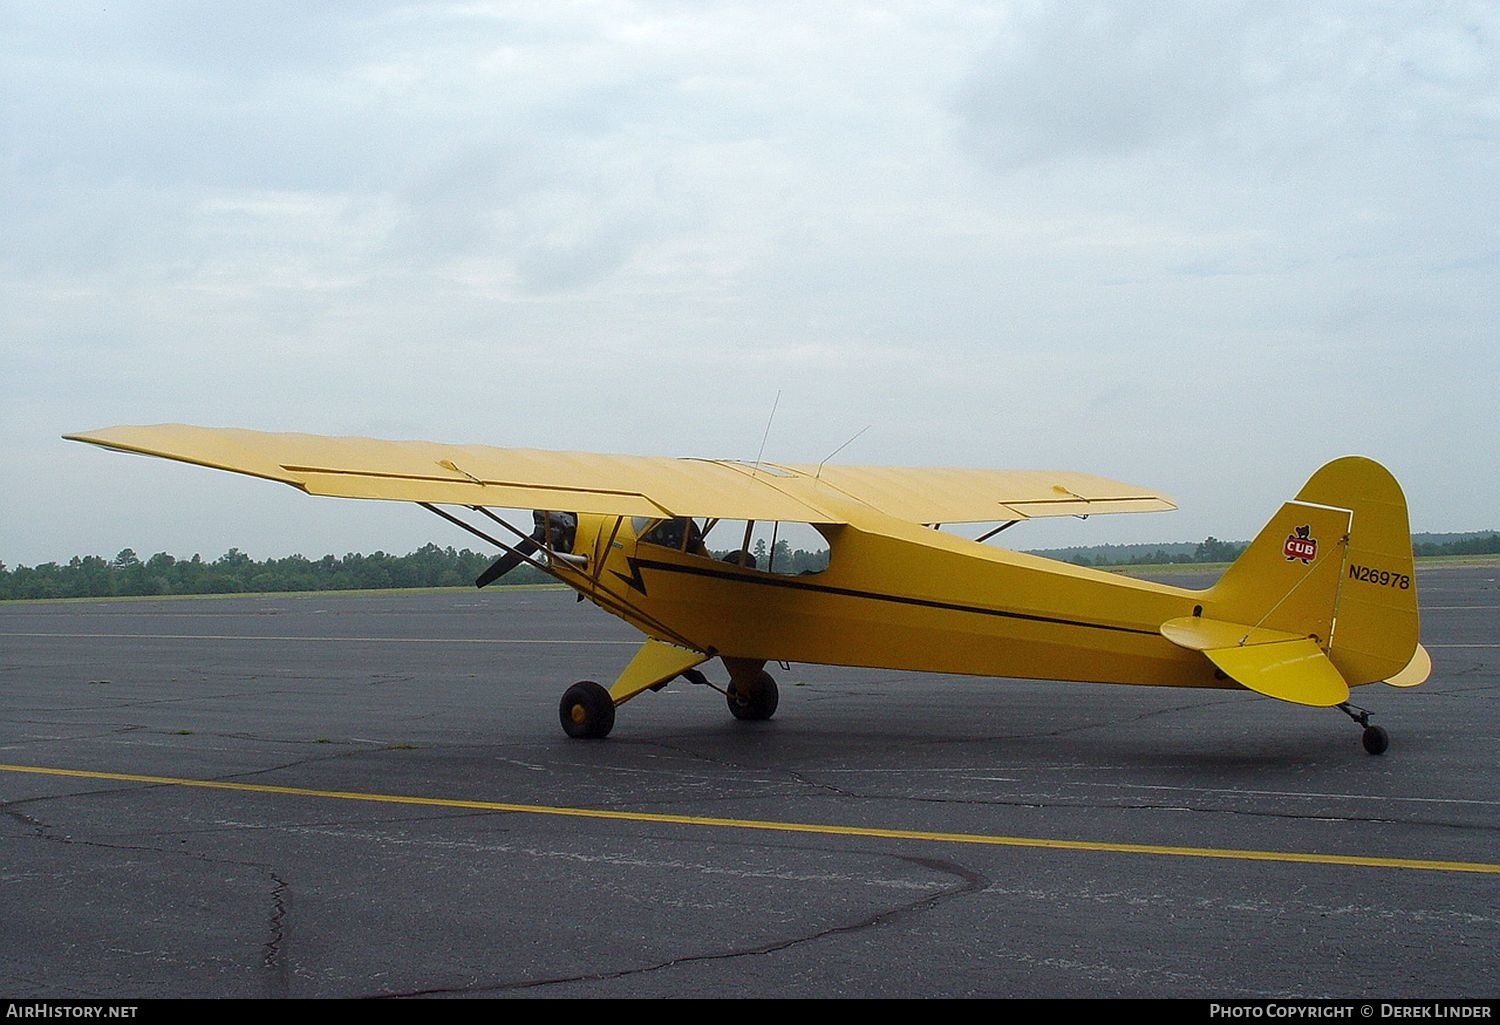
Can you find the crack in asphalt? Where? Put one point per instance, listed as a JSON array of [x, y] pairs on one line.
[[331, 756], [811, 788], [828, 789], [100, 729], [1317, 816], [969, 883], [1034, 804], [154, 702], [277, 970], [227, 777], [271, 960], [1452, 692], [614, 859], [38, 826], [802, 782]]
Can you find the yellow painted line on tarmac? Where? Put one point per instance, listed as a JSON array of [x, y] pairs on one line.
[[823, 829]]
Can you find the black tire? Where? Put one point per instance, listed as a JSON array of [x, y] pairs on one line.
[[753, 701], [586, 712], [1376, 740]]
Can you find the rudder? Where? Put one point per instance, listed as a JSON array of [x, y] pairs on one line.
[[1377, 622]]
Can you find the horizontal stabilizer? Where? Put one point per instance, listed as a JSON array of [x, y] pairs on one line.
[[1198, 634], [1269, 662], [1295, 671]]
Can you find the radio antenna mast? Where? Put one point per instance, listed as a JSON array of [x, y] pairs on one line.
[[841, 448], [766, 435]]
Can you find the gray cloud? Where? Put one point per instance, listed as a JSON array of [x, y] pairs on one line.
[[1205, 246], [1099, 80]]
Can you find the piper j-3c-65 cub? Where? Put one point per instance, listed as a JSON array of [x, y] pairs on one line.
[[1324, 598]]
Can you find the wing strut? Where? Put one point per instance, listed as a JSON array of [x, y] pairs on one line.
[[982, 538], [514, 554]]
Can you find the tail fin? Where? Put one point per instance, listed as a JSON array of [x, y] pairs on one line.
[[1334, 564]]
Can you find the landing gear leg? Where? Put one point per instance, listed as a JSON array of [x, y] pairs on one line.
[[1375, 739]]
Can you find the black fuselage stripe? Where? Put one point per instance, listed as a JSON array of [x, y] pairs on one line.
[[796, 584]]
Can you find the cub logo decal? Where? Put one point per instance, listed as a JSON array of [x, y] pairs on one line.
[[1300, 547]]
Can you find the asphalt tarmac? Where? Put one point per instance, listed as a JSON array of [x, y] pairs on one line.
[[365, 796]]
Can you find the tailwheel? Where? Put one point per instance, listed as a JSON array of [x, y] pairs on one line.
[[1375, 738], [753, 697], [587, 711]]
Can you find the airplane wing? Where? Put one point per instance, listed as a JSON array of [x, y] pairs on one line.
[[619, 485], [935, 495]]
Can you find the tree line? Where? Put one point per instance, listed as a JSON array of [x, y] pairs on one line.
[[1484, 544], [1209, 550], [234, 572]]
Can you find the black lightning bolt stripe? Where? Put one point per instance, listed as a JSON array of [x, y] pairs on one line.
[[634, 579]]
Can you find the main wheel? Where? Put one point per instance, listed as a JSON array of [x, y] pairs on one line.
[[587, 711], [753, 699], [1376, 740]]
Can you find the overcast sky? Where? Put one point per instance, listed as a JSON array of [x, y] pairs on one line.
[[1202, 247]]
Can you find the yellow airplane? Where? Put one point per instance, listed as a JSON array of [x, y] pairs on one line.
[[1323, 599]]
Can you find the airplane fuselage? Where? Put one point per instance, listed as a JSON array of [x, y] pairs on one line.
[[902, 597]]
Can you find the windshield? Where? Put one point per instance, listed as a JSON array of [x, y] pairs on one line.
[[769, 547]]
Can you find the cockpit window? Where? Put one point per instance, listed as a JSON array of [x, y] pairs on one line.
[[782, 548], [680, 533]]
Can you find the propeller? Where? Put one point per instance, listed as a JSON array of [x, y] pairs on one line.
[[556, 527], [523, 550]]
